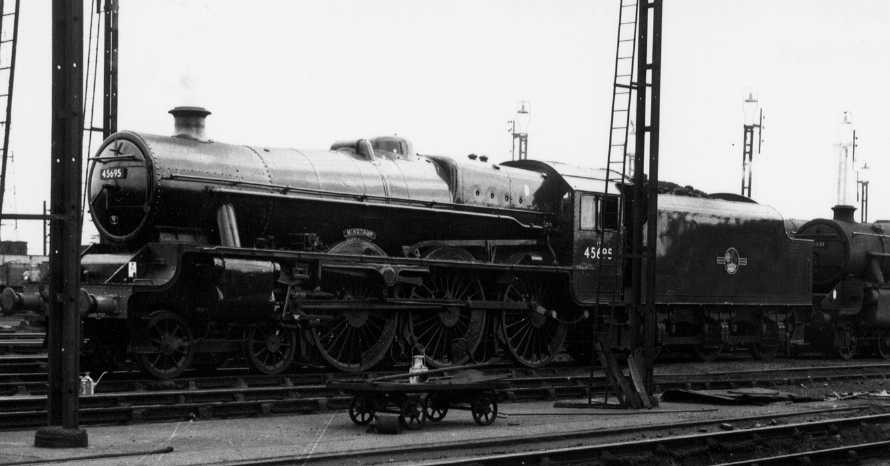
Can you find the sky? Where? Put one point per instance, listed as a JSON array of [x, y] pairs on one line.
[[449, 74]]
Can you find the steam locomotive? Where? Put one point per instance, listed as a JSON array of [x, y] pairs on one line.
[[369, 251]]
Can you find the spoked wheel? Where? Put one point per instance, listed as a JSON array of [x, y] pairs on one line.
[[488, 347], [485, 409], [435, 407], [270, 348], [354, 340], [361, 410], [411, 414], [711, 347], [845, 342], [768, 347], [170, 340], [883, 345], [440, 332], [531, 335], [707, 353]]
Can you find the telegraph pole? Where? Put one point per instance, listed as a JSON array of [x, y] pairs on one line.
[[63, 335]]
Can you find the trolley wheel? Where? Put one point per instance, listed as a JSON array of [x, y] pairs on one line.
[[361, 410], [270, 348], [883, 344], [845, 342], [171, 340], [435, 407], [411, 415], [484, 409]]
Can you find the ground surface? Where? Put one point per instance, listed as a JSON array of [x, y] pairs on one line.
[[224, 440]]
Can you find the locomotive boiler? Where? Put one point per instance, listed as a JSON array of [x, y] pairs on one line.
[[852, 295]]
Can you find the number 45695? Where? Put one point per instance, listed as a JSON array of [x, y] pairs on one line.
[[592, 252]]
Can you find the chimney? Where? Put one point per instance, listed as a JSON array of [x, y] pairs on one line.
[[844, 213], [188, 122]]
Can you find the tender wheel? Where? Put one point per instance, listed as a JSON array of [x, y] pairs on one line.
[[531, 335], [170, 340], [768, 347], [845, 342], [710, 349], [485, 409], [883, 345], [435, 407], [707, 353], [361, 410], [411, 415], [355, 340], [439, 331], [270, 348]]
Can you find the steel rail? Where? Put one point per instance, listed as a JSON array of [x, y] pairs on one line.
[[250, 395], [684, 447], [846, 453], [393, 454], [551, 383]]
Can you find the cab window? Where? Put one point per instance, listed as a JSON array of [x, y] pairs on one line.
[[599, 212], [588, 211], [610, 213]]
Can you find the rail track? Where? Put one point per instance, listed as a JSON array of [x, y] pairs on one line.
[[122, 398], [19, 342], [817, 436], [849, 438]]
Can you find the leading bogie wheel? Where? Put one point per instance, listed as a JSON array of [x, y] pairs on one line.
[[485, 409], [411, 414], [435, 407], [361, 410], [270, 348], [171, 342]]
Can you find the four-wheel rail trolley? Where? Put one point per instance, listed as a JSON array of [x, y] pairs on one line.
[[412, 404]]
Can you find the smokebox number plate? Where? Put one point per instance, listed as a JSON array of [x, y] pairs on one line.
[[117, 173]]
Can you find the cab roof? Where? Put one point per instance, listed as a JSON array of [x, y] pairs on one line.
[[576, 178]]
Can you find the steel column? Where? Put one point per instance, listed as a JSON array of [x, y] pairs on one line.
[[109, 101], [64, 259], [642, 316], [650, 321]]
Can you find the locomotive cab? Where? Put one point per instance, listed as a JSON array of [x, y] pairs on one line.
[[589, 221], [595, 248]]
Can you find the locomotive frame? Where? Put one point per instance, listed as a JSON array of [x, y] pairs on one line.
[[367, 252]]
